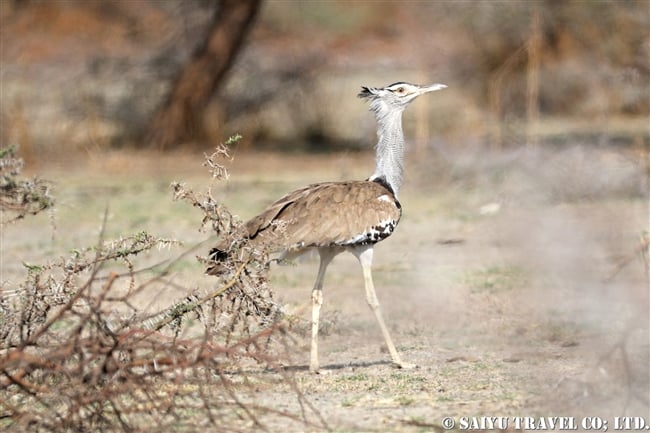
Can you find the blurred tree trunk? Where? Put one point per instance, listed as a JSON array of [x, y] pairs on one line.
[[179, 116]]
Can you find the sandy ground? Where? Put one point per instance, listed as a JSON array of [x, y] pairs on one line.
[[513, 282]]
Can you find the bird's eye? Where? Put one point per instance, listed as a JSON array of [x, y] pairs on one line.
[[400, 90]]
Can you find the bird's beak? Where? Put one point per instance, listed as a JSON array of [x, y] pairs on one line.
[[431, 88]]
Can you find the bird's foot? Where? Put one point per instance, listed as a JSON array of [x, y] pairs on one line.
[[404, 365], [318, 371]]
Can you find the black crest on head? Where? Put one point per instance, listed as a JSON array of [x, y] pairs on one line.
[[367, 92]]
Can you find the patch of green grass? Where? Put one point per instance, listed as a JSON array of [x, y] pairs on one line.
[[480, 366], [349, 401], [358, 377], [408, 378], [404, 400], [494, 279]]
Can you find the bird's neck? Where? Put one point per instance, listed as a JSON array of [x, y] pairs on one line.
[[390, 149]]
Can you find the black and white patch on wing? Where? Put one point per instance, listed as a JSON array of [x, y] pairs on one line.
[[373, 234], [376, 232]]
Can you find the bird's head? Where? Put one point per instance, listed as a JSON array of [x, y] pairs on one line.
[[396, 96]]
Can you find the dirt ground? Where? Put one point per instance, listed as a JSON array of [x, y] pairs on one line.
[[514, 281]]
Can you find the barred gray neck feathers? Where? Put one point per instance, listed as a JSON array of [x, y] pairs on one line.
[[390, 145]]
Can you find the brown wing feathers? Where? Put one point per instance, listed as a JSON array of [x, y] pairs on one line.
[[326, 214], [332, 213]]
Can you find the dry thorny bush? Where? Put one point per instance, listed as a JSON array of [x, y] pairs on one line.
[[78, 355], [20, 197]]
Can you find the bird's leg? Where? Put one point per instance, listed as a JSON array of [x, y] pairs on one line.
[[317, 302], [326, 256], [365, 258]]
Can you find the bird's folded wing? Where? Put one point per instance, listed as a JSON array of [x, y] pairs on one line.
[[326, 214]]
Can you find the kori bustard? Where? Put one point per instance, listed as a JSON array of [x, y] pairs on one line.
[[333, 217]]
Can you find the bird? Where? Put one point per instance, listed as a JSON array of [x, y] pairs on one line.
[[335, 217]]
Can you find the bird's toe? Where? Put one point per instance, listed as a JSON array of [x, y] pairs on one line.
[[405, 365]]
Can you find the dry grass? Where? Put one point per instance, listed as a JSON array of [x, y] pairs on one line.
[[539, 306], [78, 352]]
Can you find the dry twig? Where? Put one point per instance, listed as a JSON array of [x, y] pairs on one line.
[[78, 355]]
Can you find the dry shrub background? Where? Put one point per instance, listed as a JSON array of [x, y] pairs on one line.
[[78, 354], [20, 197]]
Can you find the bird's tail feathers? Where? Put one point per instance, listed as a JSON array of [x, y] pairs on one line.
[[216, 261], [229, 254]]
